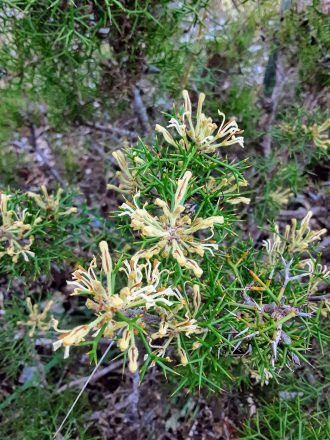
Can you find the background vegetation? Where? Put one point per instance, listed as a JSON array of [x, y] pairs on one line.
[[81, 79]]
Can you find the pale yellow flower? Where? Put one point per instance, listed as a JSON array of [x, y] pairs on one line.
[[299, 239], [72, 337], [15, 238], [267, 376], [51, 203], [320, 134], [183, 356], [170, 329], [196, 345], [174, 231], [124, 341], [37, 320], [133, 355], [237, 200], [127, 343], [316, 272], [228, 186], [148, 293], [141, 293], [295, 239], [204, 133], [128, 181], [281, 196], [197, 298], [274, 246]]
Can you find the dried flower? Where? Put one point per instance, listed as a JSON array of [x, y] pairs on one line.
[[170, 328], [197, 298], [264, 379], [202, 133], [183, 356], [174, 231], [196, 345]]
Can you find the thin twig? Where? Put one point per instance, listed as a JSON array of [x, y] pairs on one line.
[[83, 389], [319, 297], [280, 77], [43, 158], [140, 110], [122, 132], [135, 396], [193, 55]]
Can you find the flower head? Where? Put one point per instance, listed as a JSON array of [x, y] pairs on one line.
[[174, 230], [128, 181], [37, 320], [51, 203], [142, 292], [170, 329], [204, 133], [15, 231], [319, 134], [281, 196], [229, 188], [296, 239], [316, 272]]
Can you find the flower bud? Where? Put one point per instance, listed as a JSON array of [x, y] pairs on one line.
[[76, 335], [123, 342], [133, 355], [196, 345], [183, 356], [106, 259], [197, 299]]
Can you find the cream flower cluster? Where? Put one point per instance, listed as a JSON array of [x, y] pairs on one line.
[[15, 237], [128, 180], [228, 187], [174, 230], [143, 292], [37, 319], [16, 224], [171, 327], [204, 133], [320, 134], [51, 203], [296, 239]]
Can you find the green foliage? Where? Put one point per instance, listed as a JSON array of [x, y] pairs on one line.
[[41, 412], [224, 311], [37, 229], [307, 34], [297, 407], [293, 162], [211, 308], [69, 53]]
